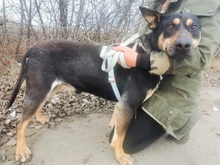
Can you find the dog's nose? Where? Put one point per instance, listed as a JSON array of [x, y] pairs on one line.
[[183, 44]]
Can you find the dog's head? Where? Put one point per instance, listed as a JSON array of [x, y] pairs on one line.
[[176, 34]]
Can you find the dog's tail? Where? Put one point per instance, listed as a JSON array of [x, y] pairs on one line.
[[19, 82]]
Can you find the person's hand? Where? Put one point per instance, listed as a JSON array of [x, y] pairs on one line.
[[160, 63], [130, 55]]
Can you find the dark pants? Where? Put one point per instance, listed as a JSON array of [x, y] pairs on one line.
[[142, 132]]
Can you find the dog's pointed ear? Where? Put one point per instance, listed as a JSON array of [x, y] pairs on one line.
[[152, 17]]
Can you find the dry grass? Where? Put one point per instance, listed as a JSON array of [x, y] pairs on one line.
[[8, 58]]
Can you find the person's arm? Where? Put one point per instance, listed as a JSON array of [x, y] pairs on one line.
[[156, 63]]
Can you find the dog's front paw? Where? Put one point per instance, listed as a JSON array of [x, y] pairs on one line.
[[23, 154], [125, 159]]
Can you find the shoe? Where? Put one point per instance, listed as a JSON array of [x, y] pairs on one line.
[[183, 140]]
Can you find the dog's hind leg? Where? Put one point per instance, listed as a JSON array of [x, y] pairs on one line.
[[124, 115], [22, 151], [34, 98]]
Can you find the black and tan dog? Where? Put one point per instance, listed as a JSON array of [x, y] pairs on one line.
[[50, 64]]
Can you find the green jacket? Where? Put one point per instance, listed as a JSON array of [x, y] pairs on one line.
[[173, 105]]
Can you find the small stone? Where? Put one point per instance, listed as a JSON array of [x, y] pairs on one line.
[[32, 126], [38, 127], [7, 121], [13, 114], [9, 133], [51, 125], [68, 113], [58, 120], [4, 158], [11, 142]]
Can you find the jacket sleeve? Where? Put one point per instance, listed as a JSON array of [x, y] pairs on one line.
[[143, 61]]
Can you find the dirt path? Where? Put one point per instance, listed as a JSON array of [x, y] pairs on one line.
[[83, 140]]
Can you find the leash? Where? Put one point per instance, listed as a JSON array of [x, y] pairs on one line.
[[111, 57]]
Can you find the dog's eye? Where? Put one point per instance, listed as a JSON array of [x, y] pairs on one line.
[[170, 26], [193, 27]]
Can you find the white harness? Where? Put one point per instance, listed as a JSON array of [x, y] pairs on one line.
[[111, 57]]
